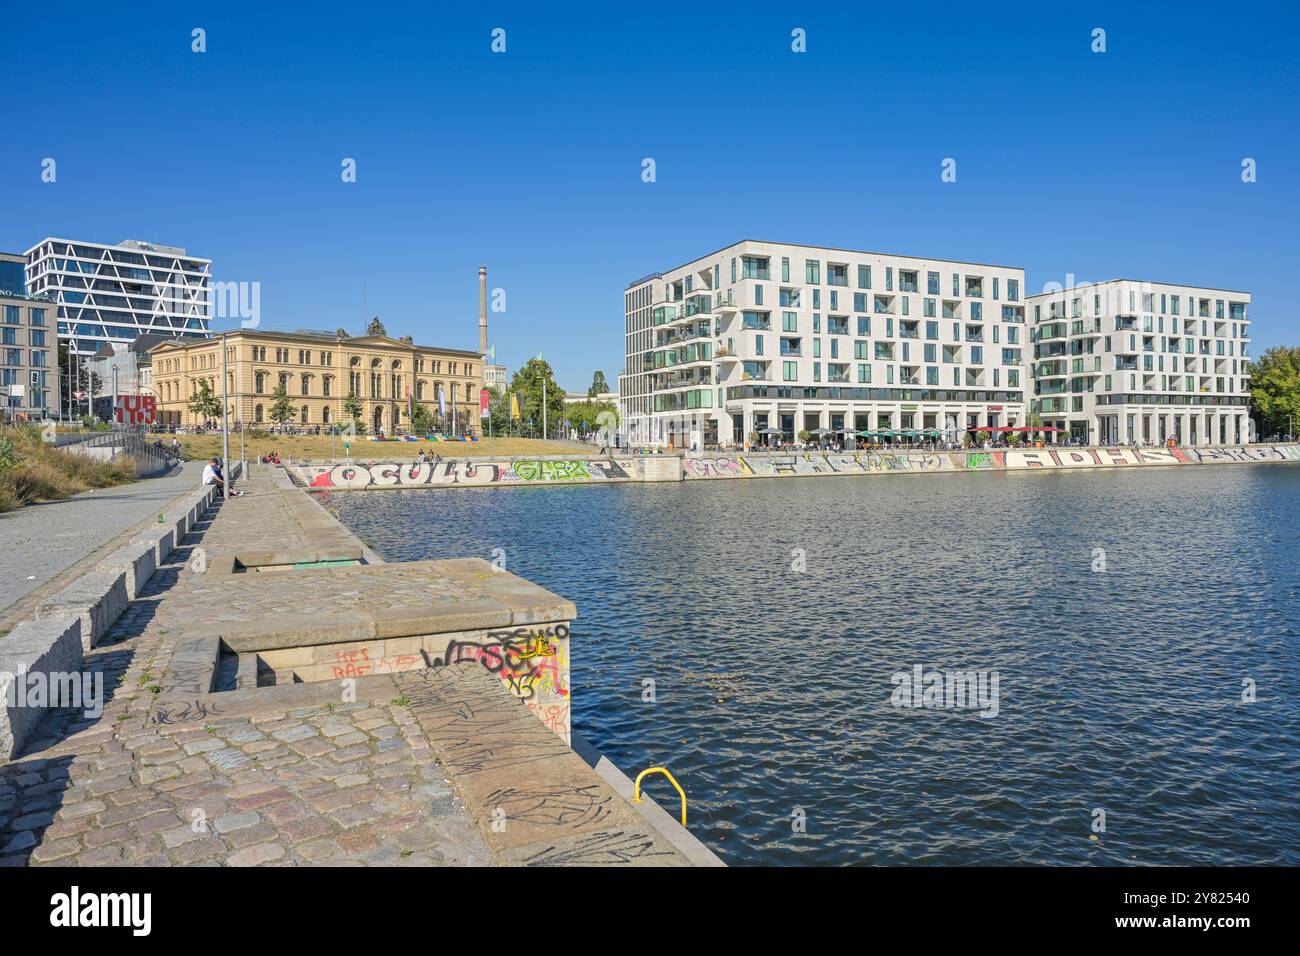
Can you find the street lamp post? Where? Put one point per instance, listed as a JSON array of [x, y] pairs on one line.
[[225, 423]]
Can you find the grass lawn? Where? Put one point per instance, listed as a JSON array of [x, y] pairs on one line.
[[319, 446]]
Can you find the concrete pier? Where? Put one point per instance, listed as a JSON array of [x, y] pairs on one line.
[[278, 695]]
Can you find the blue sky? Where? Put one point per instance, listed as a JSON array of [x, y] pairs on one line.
[[1120, 164]]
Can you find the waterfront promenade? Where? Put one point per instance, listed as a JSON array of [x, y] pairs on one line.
[[48, 540], [194, 761]]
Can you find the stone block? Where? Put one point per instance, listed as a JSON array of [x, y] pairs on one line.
[[138, 561], [49, 646], [163, 540], [97, 598]]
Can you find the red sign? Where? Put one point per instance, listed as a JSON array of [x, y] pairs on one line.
[[993, 408], [483, 403], [135, 409]]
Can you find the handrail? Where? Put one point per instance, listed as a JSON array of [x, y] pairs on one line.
[[636, 787]]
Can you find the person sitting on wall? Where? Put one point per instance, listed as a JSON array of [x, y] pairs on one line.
[[212, 476]]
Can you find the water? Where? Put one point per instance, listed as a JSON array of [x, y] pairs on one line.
[[1119, 691]]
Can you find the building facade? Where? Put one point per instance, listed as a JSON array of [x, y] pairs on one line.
[[1129, 361], [495, 376], [115, 293], [319, 371], [29, 352], [763, 337]]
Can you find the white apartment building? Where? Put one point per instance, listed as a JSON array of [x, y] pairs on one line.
[[760, 336], [1131, 361], [115, 293]]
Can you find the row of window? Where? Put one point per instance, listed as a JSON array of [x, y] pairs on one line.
[[837, 274], [13, 315], [9, 336], [13, 357], [862, 349], [1169, 305]]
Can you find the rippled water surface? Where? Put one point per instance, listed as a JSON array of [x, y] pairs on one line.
[[1119, 691]]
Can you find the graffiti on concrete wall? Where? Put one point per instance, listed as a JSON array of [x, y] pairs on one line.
[[451, 473], [978, 460], [810, 463], [1213, 456], [1093, 457]]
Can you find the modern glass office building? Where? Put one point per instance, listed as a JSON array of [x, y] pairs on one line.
[[115, 293]]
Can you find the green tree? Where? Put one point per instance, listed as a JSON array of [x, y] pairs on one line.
[[283, 411], [1275, 390], [421, 419], [598, 384], [205, 404], [587, 418], [527, 383], [353, 409]]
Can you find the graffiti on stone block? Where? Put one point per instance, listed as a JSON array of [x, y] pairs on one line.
[[533, 663]]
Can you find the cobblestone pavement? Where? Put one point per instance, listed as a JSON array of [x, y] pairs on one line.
[[42, 540], [434, 767]]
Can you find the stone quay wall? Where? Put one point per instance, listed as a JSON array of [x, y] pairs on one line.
[[520, 472]]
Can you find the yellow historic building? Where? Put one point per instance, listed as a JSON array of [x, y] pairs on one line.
[[319, 371]]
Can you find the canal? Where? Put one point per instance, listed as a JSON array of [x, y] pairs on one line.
[[753, 637]]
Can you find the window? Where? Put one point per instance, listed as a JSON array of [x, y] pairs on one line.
[[789, 371], [932, 283], [812, 271], [864, 277]]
